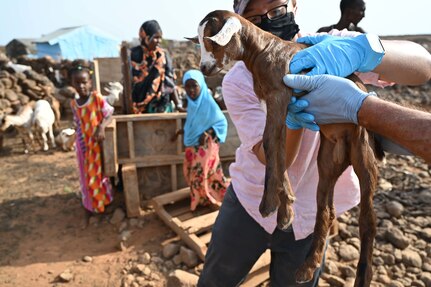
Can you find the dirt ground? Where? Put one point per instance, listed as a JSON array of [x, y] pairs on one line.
[[40, 225]]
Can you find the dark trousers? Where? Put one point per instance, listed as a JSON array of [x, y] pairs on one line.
[[237, 243]]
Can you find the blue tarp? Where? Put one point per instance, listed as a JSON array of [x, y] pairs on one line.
[[84, 42]]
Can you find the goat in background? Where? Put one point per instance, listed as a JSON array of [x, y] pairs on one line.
[[225, 36]]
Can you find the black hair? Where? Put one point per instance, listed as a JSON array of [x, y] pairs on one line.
[[151, 27], [344, 4], [79, 66]]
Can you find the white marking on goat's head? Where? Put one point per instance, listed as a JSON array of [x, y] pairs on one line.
[[218, 37]]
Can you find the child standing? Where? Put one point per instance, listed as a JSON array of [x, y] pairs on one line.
[[205, 127], [91, 115]]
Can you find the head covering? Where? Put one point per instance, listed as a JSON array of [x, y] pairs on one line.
[[239, 6], [151, 27], [202, 113]]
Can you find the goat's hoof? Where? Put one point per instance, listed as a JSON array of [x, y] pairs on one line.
[[268, 207], [304, 275], [285, 219]]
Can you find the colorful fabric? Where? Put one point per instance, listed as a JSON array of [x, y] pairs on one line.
[[204, 174], [148, 77], [202, 113], [95, 188]]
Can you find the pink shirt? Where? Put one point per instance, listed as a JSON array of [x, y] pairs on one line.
[[248, 174]]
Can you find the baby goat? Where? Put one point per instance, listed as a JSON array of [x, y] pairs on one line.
[[225, 36], [23, 123], [43, 121]]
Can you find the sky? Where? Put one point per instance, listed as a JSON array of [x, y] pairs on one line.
[[180, 18]]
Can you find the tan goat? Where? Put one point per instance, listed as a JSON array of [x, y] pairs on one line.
[[225, 36]]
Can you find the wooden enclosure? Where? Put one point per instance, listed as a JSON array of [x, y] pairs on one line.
[[151, 162]]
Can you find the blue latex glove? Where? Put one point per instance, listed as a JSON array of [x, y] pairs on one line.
[[338, 56], [331, 99], [297, 119]]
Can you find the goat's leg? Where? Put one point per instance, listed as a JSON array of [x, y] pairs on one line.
[[274, 138], [329, 172], [51, 137], [365, 166], [45, 140], [285, 212]]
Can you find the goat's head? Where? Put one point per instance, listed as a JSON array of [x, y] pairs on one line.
[[219, 38], [5, 123]]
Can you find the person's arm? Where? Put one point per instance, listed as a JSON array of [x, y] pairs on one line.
[[293, 142], [405, 63], [337, 100], [408, 127]]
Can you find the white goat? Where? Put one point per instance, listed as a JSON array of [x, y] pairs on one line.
[[22, 122], [43, 121], [114, 89], [66, 139]]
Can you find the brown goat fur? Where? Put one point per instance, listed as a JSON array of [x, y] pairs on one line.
[[267, 57]]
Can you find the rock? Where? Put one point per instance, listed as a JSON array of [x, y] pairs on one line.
[[424, 196], [418, 283], [331, 268], [117, 217], [395, 284], [180, 278], [347, 271], [397, 238], [125, 235], [348, 252], [87, 259], [188, 257], [383, 279], [144, 258], [388, 259], [425, 234], [426, 278], [170, 250], [157, 260], [385, 185], [411, 258], [395, 208], [66, 276], [177, 259], [334, 281]]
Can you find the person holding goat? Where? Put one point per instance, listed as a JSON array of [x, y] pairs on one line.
[[240, 234]]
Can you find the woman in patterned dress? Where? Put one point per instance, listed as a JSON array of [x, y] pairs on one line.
[[205, 128], [91, 114]]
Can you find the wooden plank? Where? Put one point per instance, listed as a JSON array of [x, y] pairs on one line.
[[190, 239], [200, 223], [180, 137], [256, 278], [161, 160], [174, 184], [110, 165], [131, 190], [131, 139], [205, 238], [172, 197], [127, 78], [96, 75]]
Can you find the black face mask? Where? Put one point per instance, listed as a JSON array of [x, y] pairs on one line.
[[284, 27]]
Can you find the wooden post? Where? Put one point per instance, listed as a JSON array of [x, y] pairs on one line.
[[127, 79], [131, 190], [110, 163], [97, 75]]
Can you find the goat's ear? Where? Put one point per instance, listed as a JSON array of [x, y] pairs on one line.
[[194, 39], [230, 27]]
